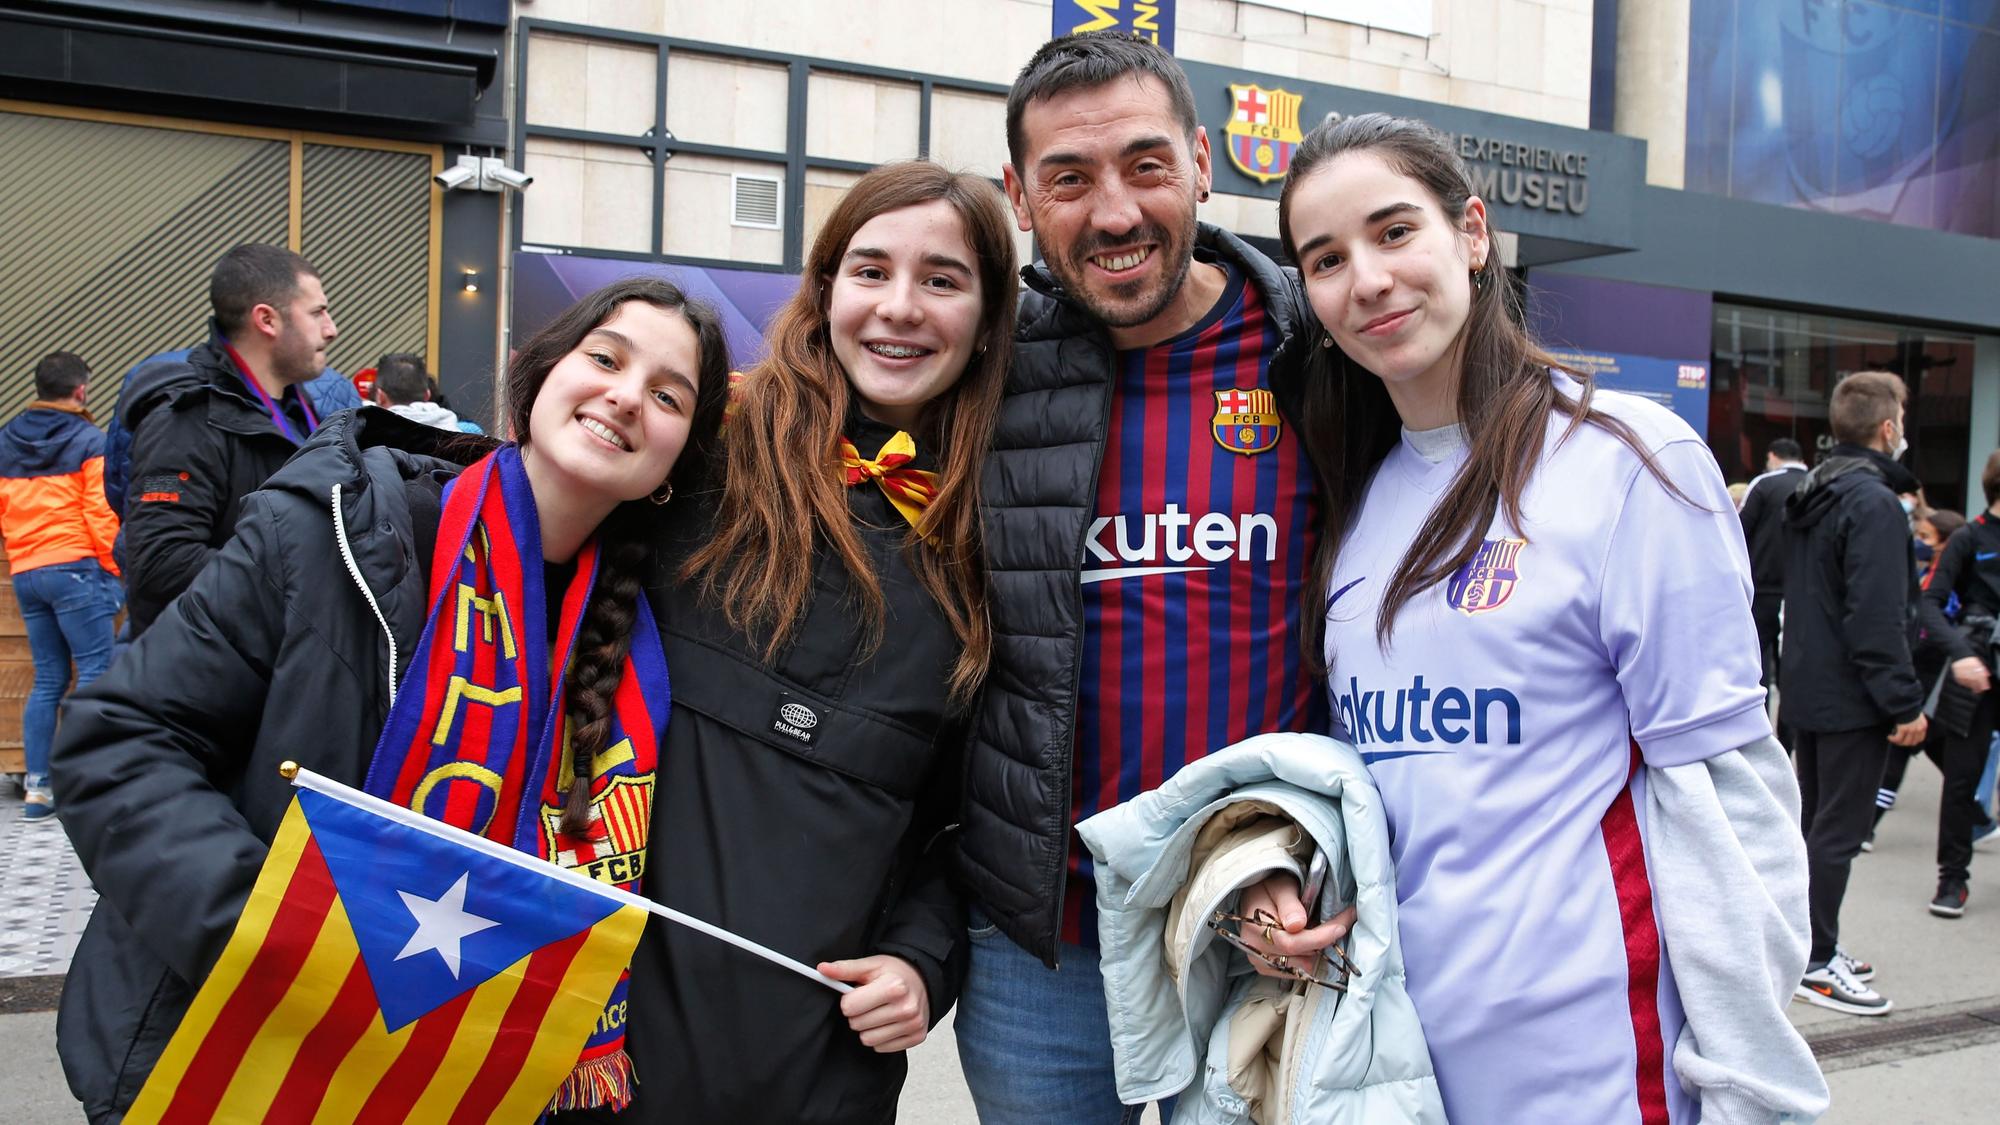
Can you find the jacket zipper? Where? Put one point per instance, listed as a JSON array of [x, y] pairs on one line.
[[1076, 666], [354, 571]]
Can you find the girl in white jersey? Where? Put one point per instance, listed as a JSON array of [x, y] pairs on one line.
[[1538, 634]]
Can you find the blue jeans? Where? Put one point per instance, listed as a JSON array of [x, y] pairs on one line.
[[68, 608], [1035, 1044]]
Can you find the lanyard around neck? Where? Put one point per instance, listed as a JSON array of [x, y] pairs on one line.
[[276, 411]]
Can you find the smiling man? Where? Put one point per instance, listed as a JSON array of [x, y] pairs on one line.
[[206, 430], [1149, 531]]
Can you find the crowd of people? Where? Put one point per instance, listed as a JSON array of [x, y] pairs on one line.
[[1875, 620], [866, 633]]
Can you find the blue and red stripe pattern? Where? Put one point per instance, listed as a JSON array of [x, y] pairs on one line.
[[1194, 574]]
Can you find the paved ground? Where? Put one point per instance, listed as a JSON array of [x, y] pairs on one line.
[[1934, 1061]]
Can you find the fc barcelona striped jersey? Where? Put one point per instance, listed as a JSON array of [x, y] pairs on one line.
[[1193, 570]]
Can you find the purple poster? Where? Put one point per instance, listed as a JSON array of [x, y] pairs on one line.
[[546, 284]]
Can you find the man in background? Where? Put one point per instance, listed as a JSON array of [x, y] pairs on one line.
[[1763, 515], [1846, 676], [402, 386], [209, 428]]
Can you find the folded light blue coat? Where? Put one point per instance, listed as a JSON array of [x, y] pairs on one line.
[[1362, 1058]]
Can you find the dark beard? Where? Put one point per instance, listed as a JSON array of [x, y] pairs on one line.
[[1071, 270]]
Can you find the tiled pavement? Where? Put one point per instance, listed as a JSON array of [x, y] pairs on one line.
[[45, 898]]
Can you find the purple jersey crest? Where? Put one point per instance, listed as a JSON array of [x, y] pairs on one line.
[[1487, 578]]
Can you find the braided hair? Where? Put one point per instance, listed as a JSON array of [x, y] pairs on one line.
[[604, 638]]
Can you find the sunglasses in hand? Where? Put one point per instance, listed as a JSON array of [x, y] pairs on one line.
[[1231, 927]]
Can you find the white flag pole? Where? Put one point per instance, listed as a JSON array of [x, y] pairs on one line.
[[306, 779]]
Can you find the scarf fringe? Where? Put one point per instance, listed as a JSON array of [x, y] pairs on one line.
[[602, 1082]]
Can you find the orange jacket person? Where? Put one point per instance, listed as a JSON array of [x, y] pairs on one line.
[[59, 532]]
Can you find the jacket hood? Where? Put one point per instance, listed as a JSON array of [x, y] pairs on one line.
[[47, 440], [1846, 468], [427, 413], [156, 380], [335, 454]]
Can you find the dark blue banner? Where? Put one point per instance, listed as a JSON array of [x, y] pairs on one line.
[[1147, 19], [493, 12]]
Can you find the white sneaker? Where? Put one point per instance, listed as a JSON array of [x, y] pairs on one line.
[[1834, 987], [1859, 970]]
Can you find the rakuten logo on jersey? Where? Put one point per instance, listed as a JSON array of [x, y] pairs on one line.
[[1155, 544], [1421, 713]]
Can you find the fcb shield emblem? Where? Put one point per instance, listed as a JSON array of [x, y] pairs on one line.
[[1487, 579], [1246, 421], [1263, 131], [624, 813]]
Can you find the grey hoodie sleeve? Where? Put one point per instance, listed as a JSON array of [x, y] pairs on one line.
[[1729, 872]]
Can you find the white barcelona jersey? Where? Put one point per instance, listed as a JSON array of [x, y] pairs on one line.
[[1505, 724]]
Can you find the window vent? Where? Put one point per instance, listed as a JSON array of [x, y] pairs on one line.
[[755, 201]]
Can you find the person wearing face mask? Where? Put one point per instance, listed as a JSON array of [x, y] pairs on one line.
[[1967, 571], [1846, 677]]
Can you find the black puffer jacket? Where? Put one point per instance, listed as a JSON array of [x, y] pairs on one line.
[[1851, 599], [167, 780], [1040, 489], [200, 444], [166, 767]]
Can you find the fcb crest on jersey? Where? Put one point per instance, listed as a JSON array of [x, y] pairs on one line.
[[1246, 421], [621, 819], [1263, 131], [1487, 579]]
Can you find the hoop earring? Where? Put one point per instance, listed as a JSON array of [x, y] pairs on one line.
[[660, 498], [1479, 279]]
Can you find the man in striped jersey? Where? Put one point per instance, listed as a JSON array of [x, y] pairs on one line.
[[1151, 515]]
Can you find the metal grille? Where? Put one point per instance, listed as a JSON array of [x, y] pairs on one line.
[[113, 230], [755, 201], [366, 228]]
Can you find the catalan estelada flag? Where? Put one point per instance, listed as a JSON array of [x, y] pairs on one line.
[[390, 968]]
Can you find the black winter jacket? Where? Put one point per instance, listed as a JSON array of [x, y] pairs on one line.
[[1763, 517], [825, 840], [1969, 566], [1850, 596], [1040, 490], [167, 765], [166, 771], [200, 444]]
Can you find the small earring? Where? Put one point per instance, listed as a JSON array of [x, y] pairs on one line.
[[1203, 197], [660, 498], [1326, 339]]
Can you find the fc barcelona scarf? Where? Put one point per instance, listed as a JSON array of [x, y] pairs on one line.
[[908, 488], [476, 736]]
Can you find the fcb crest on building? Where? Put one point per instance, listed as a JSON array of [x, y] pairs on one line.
[[1263, 131], [1246, 421], [1487, 579]]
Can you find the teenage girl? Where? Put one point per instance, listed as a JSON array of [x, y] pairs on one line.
[[1537, 631], [330, 631]]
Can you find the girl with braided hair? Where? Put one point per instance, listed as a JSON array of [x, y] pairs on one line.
[[384, 567]]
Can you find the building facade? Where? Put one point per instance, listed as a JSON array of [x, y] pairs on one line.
[[1725, 204], [143, 139]]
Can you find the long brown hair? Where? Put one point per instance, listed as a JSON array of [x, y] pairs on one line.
[[604, 637], [1504, 396], [782, 496]]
